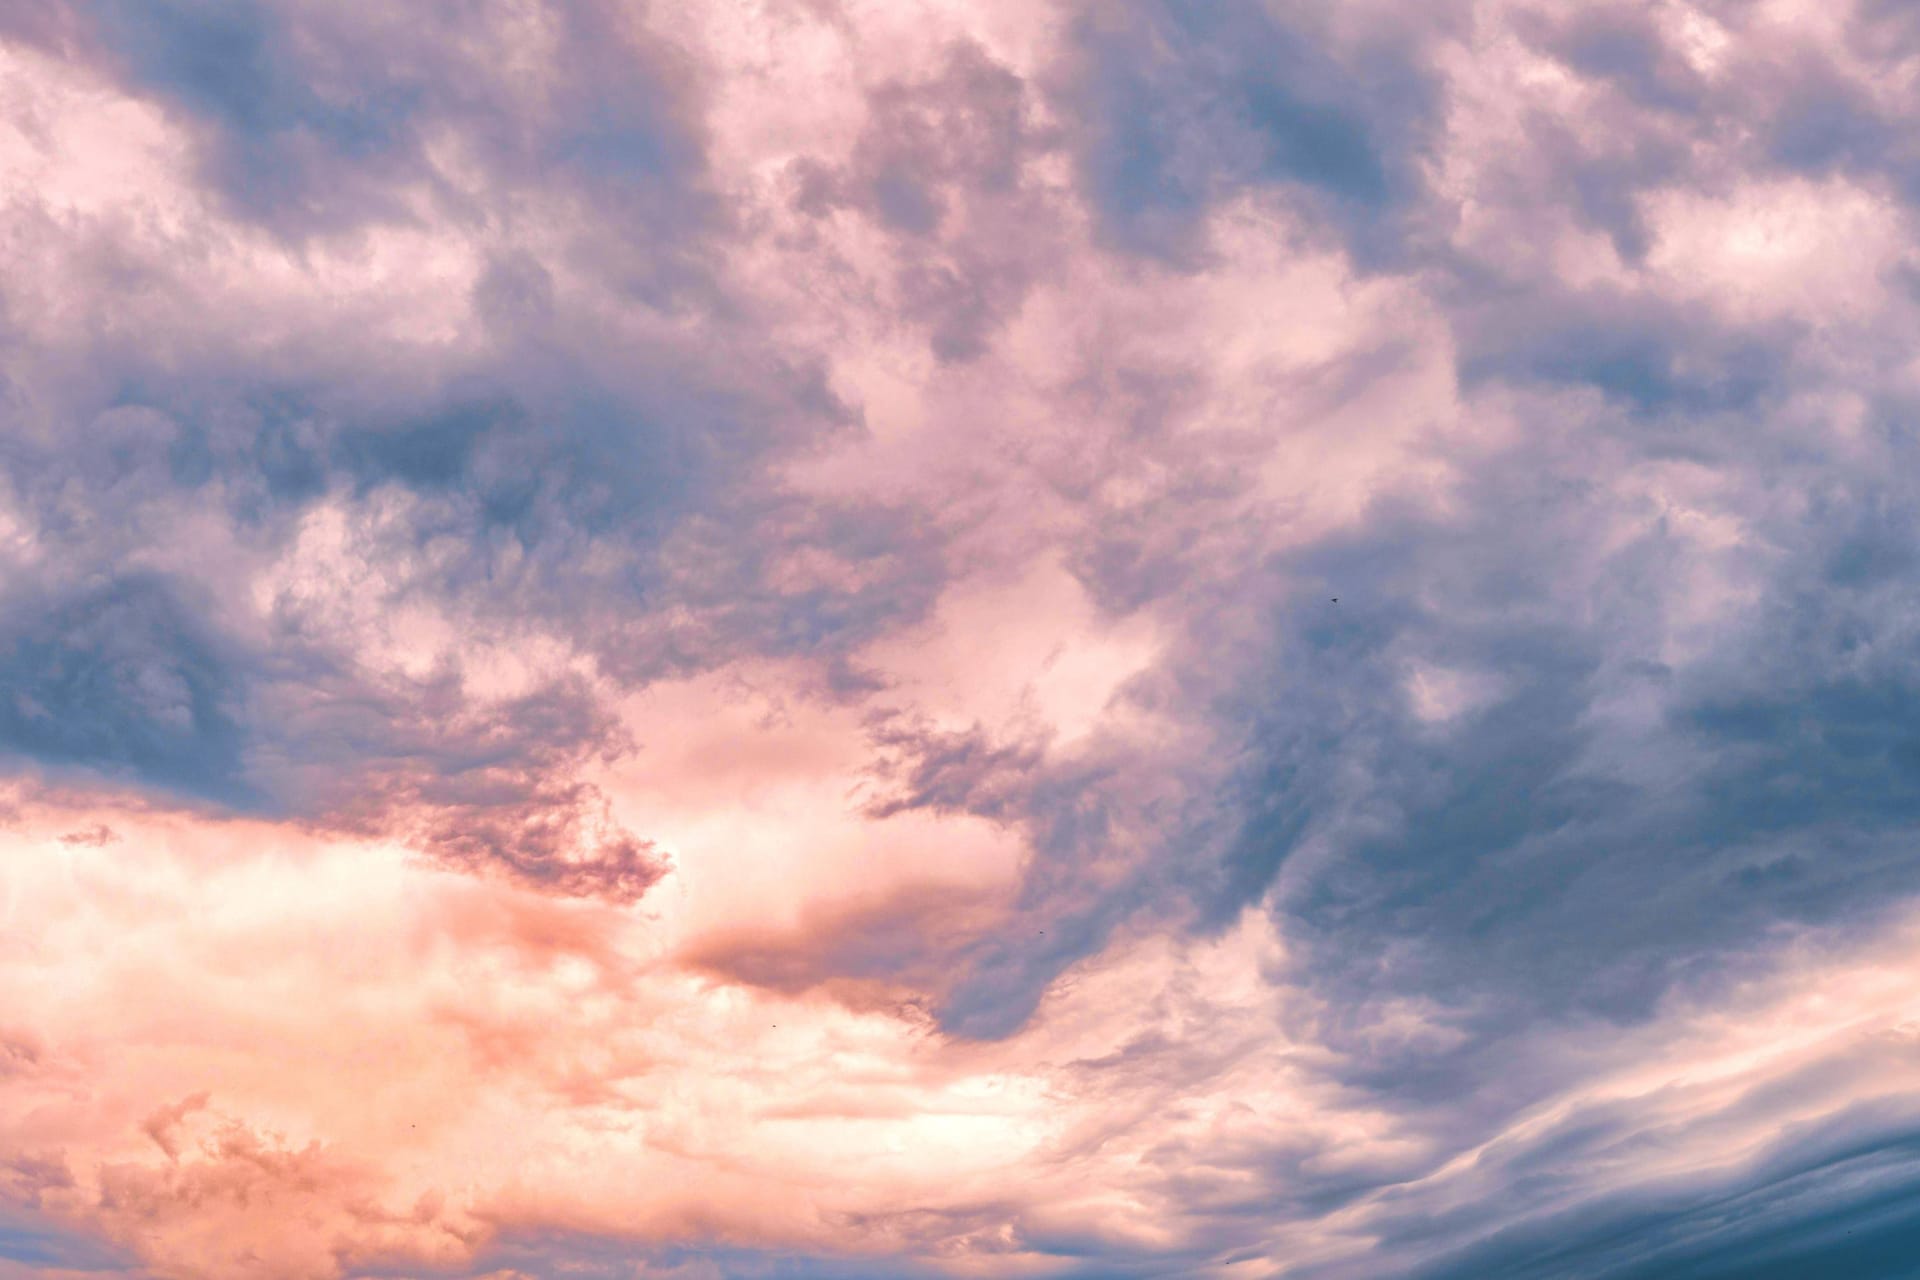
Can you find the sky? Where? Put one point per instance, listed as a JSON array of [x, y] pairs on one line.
[[902, 639]]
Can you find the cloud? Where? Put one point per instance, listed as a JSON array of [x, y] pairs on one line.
[[617, 507], [957, 639], [944, 166], [1182, 107], [306, 123], [122, 678]]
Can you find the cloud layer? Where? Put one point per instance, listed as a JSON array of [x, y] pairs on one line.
[[821, 638]]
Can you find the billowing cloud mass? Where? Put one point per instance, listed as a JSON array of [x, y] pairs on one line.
[[960, 638]]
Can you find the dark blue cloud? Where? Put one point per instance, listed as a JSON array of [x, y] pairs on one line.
[[1509, 849], [1823, 120], [1177, 106], [311, 122], [1836, 1201], [1622, 46], [125, 677], [278, 146], [1659, 359]]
